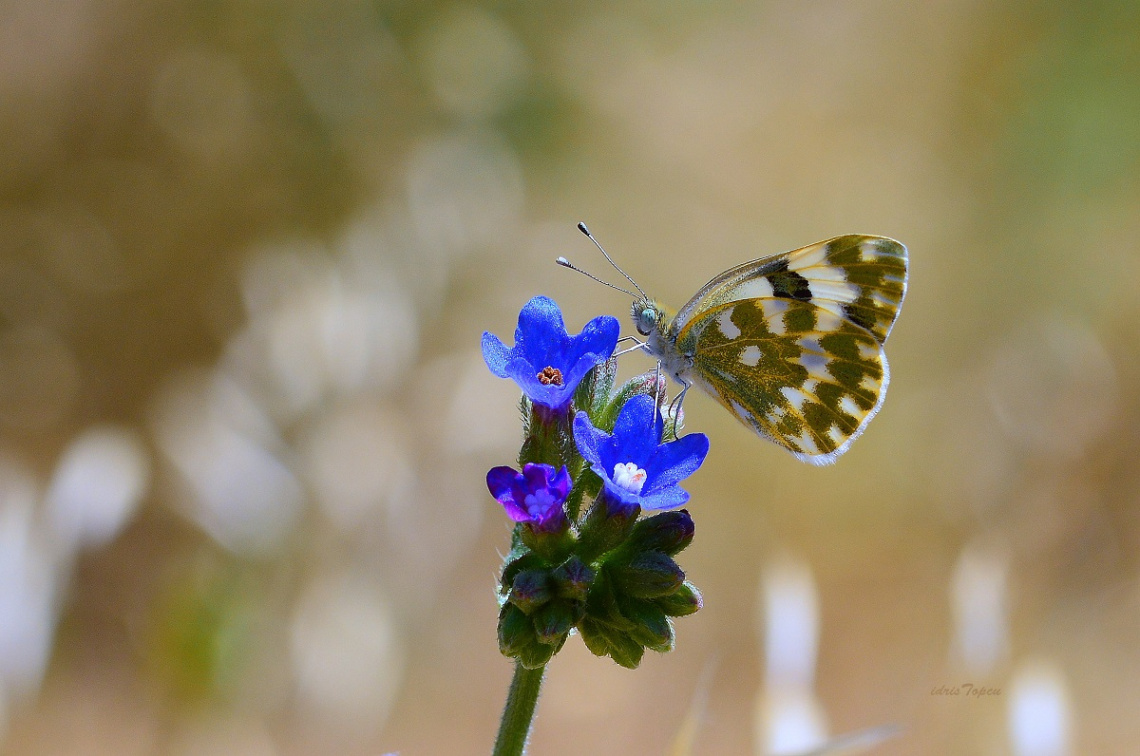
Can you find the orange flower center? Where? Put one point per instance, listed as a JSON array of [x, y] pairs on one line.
[[550, 375]]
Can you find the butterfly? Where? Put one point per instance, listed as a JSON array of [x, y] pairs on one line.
[[791, 344]]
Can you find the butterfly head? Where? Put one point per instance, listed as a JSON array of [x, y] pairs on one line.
[[649, 316]]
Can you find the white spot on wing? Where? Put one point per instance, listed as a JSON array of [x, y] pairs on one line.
[[835, 434], [727, 327], [774, 310], [795, 397], [827, 321], [808, 258], [806, 442], [868, 251], [811, 344], [849, 406], [750, 356], [739, 410], [757, 287], [882, 300], [825, 273], [869, 384], [837, 291], [816, 365], [868, 350]]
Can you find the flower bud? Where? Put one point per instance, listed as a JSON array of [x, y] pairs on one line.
[[515, 630], [536, 655], [552, 622], [668, 532], [604, 640], [518, 560], [681, 602], [572, 579], [530, 590], [651, 628], [648, 575]]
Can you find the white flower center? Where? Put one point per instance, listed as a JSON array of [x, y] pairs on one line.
[[539, 502], [629, 477]]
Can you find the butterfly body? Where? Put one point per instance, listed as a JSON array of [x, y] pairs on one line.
[[792, 344]]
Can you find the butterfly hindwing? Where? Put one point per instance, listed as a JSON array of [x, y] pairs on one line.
[[797, 373]]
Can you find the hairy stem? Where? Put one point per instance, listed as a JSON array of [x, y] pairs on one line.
[[514, 729]]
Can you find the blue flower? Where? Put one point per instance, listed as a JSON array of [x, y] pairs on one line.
[[636, 469], [546, 362], [535, 495]]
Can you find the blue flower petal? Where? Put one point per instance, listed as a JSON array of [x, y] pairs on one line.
[[541, 332], [561, 483], [639, 427], [541, 342], [637, 432], [669, 498], [589, 440], [502, 482], [673, 462], [495, 354], [595, 344]]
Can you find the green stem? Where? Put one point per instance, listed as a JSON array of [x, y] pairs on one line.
[[519, 711]]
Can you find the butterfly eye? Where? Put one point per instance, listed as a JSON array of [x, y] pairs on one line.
[[646, 321]]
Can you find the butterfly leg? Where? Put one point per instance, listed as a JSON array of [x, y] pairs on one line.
[[678, 400], [638, 344], [656, 392]]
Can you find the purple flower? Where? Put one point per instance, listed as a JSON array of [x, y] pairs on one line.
[[546, 362], [535, 495], [636, 469]]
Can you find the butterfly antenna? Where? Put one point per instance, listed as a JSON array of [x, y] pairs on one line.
[[567, 264], [586, 231]]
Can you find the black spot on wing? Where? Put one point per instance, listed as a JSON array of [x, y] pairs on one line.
[[789, 284], [860, 316]]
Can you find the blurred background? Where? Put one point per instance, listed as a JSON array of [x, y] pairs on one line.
[[247, 251]]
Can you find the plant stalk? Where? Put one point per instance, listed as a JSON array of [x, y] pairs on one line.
[[518, 713]]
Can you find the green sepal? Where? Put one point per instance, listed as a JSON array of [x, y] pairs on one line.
[[604, 640], [604, 529], [651, 628], [530, 590], [594, 390], [537, 654], [549, 438], [572, 579], [586, 485], [602, 605], [518, 559], [648, 575], [516, 631], [552, 622], [682, 602], [551, 547]]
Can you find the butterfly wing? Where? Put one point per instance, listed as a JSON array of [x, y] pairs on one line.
[[792, 344], [858, 278]]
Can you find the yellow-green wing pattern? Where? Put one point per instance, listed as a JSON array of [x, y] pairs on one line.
[[795, 373], [792, 344], [859, 278]]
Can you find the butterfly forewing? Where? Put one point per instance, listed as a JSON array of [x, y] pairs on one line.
[[792, 344], [859, 278]]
